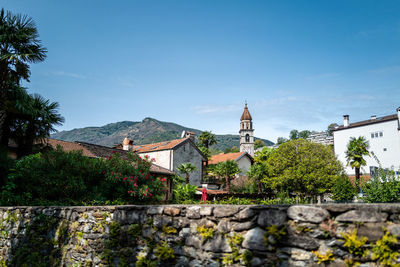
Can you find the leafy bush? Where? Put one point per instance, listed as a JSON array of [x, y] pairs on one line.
[[185, 193], [384, 187], [343, 189], [69, 178], [303, 167]]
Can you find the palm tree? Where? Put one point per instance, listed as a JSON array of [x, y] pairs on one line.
[[257, 172], [357, 148], [207, 139], [227, 170], [35, 122], [186, 168], [19, 45]]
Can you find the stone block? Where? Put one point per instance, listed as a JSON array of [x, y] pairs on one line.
[[301, 241], [221, 211], [394, 229], [307, 213], [193, 241], [206, 211], [245, 214], [217, 244], [155, 210], [243, 226], [172, 211], [224, 226], [271, 217], [254, 239], [362, 216], [300, 254], [193, 212]]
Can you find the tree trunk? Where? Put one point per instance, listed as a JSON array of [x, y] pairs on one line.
[[357, 178], [187, 178], [3, 113], [259, 186], [228, 184]]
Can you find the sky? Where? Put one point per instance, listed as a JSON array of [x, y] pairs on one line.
[[299, 64]]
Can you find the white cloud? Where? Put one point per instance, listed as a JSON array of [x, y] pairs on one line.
[[68, 74], [208, 109]]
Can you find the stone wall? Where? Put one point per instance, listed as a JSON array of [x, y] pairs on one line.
[[198, 235]]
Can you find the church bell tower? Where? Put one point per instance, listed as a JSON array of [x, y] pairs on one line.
[[246, 132]]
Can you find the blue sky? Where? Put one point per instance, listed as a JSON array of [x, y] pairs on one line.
[[299, 64]]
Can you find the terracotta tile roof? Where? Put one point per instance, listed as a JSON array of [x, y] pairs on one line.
[[97, 151], [158, 146], [225, 157], [367, 122], [246, 114]]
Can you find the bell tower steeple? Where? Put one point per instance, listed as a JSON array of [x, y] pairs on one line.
[[246, 132]]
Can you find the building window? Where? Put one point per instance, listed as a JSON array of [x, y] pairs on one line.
[[247, 138], [377, 134], [385, 149]]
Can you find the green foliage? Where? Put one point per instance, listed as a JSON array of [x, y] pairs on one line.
[[274, 234], [343, 189], [135, 230], [326, 257], [169, 230], [236, 201], [205, 232], [227, 170], [235, 241], [186, 168], [115, 231], [207, 139], [385, 250], [357, 148], [163, 252], [384, 187], [258, 143], [185, 193], [142, 261], [303, 167], [354, 244], [69, 178]]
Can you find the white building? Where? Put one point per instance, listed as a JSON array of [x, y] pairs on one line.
[[383, 135], [243, 159], [171, 154]]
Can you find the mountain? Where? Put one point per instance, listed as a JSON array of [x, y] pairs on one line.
[[147, 131]]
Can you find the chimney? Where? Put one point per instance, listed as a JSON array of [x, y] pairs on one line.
[[398, 117], [127, 144], [346, 120], [373, 117], [190, 135]]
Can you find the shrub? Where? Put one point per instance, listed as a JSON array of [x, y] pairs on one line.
[[185, 193], [384, 187], [343, 189], [69, 178]]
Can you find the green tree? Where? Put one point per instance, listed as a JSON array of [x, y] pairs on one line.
[[331, 127], [357, 148], [19, 46], [304, 134], [257, 172], [293, 135], [227, 170], [303, 167], [258, 143], [186, 168], [281, 140], [263, 155], [35, 122], [207, 139], [235, 149], [343, 189]]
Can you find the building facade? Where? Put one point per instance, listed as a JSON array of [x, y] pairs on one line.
[[383, 135], [243, 159], [171, 154], [246, 132]]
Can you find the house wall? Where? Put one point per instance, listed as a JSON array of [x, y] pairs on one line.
[[389, 141], [188, 153], [162, 158], [244, 164]]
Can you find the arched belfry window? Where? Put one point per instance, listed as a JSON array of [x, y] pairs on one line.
[[247, 138]]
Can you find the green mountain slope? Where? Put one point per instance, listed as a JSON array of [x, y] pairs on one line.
[[147, 131]]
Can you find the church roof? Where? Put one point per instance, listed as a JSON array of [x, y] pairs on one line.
[[246, 114]]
